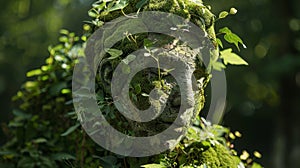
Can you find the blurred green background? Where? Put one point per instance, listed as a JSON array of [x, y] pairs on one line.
[[27, 28], [263, 98]]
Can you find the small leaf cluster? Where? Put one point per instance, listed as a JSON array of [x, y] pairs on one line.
[[227, 56], [44, 131], [206, 145]]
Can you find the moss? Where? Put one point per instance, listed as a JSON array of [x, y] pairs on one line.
[[218, 156], [195, 12], [185, 8]]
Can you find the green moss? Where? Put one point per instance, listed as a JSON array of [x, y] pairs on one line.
[[195, 12], [218, 156]]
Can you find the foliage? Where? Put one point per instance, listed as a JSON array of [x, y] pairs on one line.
[[205, 145], [27, 28], [45, 131]]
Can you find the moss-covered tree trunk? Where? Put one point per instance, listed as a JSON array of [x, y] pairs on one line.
[[46, 131]]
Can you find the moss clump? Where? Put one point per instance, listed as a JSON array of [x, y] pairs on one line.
[[218, 156], [195, 11]]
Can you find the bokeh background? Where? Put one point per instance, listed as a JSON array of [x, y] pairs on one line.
[[263, 98]]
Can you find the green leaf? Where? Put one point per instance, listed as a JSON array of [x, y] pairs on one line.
[[34, 72], [205, 144], [63, 39], [101, 5], [256, 165], [218, 65], [65, 91], [219, 42], [70, 130], [148, 43], [39, 140], [225, 30], [231, 37], [64, 31], [97, 23], [231, 58], [223, 14], [15, 124], [62, 156], [121, 4], [137, 88], [114, 53], [31, 84], [93, 13], [153, 166]]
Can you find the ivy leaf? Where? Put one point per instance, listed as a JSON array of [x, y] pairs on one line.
[[223, 14], [231, 37], [100, 6], [218, 65], [225, 30], [114, 53], [231, 58], [120, 4], [219, 42], [70, 130], [93, 13]]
